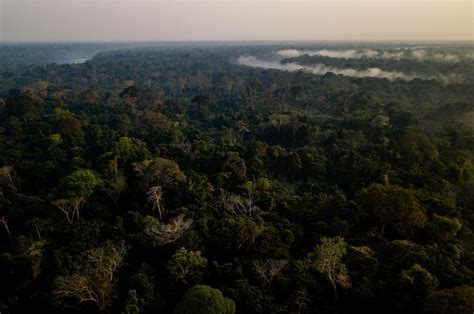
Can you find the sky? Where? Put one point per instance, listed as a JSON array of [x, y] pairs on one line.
[[230, 20]]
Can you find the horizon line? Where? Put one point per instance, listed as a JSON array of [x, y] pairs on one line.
[[237, 41]]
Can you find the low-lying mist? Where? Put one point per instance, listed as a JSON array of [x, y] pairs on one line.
[[321, 69], [419, 54]]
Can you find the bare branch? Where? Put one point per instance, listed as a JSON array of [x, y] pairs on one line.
[[237, 205], [70, 207], [170, 232], [93, 281], [269, 269], [154, 198]]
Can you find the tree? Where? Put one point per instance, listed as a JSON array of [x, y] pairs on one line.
[[443, 228], [93, 277], [115, 181], [129, 92], [363, 266], [459, 300], [302, 299], [87, 96], [234, 167], [8, 176], [128, 149], [167, 233], [235, 234], [114, 187], [417, 149], [186, 266], [160, 172], [55, 140], [327, 259], [237, 205], [277, 121], [414, 284], [26, 106], [31, 252], [144, 286], [4, 222], [269, 269], [77, 187], [131, 306], [80, 183], [70, 207], [67, 124], [154, 198], [394, 205], [202, 299]]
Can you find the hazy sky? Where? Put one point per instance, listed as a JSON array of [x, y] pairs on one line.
[[181, 20]]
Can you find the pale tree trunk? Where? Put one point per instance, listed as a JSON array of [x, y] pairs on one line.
[[4, 222], [333, 284], [8, 231]]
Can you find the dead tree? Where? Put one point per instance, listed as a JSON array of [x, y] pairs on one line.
[[155, 198], [269, 269], [237, 205], [170, 232], [93, 280]]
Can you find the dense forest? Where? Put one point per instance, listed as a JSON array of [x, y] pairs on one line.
[[171, 179]]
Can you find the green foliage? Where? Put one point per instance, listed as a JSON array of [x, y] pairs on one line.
[[394, 205], [55, 139], [235, 234], [33, 252], [80, 183], [131, 305], [327, 259], [289, 183], [362, 262], [186, 266], [419, 279], [160, 171], [26, 106], [26, 262], [456, 300], [444, 228], [144, 285], [206, 300], [129, 150]]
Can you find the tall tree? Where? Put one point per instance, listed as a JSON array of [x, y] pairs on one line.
[[394, 206], [202, 299], [93, 279], [327, 259]]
